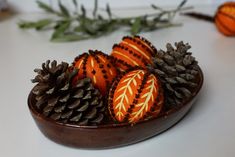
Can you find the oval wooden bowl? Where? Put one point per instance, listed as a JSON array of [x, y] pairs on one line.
[[110, 135]]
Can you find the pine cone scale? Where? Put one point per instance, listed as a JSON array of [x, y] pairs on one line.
[[64, 98], [74, 105], [53, 101], [59, 109], [56, 116], [67, 114], [78, 94], [98, 119], [76, 118], [91, 114], [84, 107]]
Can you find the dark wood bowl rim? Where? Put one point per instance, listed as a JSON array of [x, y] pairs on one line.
[[115, 125]]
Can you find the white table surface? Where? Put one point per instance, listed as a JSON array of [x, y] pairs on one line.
[[208, 130]]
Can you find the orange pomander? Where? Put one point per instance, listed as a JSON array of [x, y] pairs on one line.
[[225, 19], [132, 51], [135, 95], [97, 66]]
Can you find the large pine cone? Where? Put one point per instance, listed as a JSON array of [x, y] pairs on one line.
[[62, 99], [177, 69]]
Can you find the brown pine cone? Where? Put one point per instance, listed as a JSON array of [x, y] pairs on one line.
[[177, 70], [60, 98]]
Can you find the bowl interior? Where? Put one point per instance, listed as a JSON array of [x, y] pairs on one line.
[[32, 101]]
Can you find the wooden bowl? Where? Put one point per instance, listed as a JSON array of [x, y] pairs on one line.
[[110, 135]]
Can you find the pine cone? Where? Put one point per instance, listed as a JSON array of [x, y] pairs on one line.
[[177, 70], [60, 98]]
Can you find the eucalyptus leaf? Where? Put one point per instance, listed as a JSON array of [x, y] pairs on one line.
[[90, 29], [78, 29], [95, 8], [26, 24], [75, 3], [156, 7], [69, 37], [83, 11], [60, 29], [63, 9], [100, 17], [43, 23], [182, 4], [158, 17], [108, 26], [136, 27], [108, 10], [37, 25], [87, 26], [45, 7]]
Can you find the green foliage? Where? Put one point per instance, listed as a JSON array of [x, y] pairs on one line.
[[37, 25], [74, 26]]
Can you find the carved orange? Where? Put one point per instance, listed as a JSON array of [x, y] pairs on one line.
[[225, 19], [133, 51], [135, 95], [97, 66]]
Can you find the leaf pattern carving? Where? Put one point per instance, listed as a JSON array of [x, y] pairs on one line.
[[146, 100], [125, 93]]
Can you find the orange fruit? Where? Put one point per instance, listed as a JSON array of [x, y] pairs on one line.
[[225, 19], [97, 66], [134, 96], [133, 51]]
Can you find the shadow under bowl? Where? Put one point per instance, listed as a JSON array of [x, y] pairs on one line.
[[110, 135]]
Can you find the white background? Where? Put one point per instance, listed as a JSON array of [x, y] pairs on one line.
[[30, 5]]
